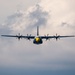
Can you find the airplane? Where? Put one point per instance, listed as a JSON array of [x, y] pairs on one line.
[[37, 39]]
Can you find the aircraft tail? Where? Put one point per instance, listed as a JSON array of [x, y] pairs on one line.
[[37, 30]]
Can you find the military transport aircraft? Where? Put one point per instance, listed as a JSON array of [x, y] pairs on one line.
[[37, 39]]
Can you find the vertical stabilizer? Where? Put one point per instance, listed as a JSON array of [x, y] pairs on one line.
[[37, 30]]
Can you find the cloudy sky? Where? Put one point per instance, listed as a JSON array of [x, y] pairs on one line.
[[23, 57]]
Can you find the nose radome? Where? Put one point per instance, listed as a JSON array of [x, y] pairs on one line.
[[37, 39]]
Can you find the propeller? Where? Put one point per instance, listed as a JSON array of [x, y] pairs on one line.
[[57, 37], [19, 36], [47, 37], [29, 37]]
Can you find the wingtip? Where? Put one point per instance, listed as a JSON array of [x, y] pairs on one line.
[[1, 35]]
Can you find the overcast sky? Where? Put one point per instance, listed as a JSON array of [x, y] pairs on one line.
[[23, 57]]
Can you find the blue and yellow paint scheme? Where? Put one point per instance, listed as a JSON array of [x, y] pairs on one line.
[[37, 40]]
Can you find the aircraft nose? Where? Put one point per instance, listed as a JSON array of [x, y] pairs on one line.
[[37, 39]]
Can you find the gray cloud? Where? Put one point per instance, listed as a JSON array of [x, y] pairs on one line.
[[22, 20], [39, 16]]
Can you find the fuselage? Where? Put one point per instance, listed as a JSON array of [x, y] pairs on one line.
[[37, 40]]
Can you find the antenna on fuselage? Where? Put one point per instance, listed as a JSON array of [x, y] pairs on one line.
[[37, 30]]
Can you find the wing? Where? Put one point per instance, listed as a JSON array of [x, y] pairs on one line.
[[56, 37], [20, 36]]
